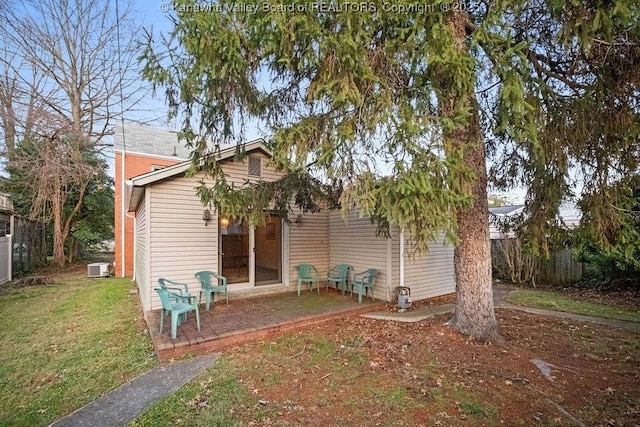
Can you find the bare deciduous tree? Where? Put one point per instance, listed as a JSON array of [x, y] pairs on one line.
[[56, 172], [66, 74], [73, 44]]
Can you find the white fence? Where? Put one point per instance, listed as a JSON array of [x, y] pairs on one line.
[[5, 259]]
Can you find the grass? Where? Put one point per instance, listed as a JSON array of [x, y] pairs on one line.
[[212, 399], [554, 301], [231, 391], [68, 343], [65, 344]]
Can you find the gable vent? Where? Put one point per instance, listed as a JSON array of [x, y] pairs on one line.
[[255, 166]]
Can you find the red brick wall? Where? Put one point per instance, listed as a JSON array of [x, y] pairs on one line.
[[134, 165]]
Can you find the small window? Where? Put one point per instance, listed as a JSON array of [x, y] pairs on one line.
[[255, 166]]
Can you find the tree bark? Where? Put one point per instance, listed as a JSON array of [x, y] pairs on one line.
[[58, 233], [474, 313]]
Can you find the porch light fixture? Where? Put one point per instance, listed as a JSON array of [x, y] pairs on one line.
[[206, 216], [224, 222], [299, 219]]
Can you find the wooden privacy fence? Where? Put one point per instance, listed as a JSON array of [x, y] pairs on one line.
[[510, 264], [561, 269]]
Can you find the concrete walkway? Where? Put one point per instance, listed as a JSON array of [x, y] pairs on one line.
[[499, 293], [622, 324], [120, 406]]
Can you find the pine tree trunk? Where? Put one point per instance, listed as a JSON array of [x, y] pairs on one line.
[[474, 312]]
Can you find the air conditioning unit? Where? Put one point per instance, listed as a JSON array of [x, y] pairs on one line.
[[98, 269]]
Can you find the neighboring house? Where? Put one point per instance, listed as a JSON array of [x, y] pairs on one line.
[[499, 214], [140, 149], [174, 238], [569, 214]]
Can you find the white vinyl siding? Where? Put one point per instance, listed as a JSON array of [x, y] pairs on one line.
[[354, 242], [237, 173], [180, 242], [309, 244], [141, 251], [430, 275]]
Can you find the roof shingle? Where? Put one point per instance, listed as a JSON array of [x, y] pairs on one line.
[[150, 141]]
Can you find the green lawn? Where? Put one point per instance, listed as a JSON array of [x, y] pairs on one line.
[[65, 344], [554, 301]]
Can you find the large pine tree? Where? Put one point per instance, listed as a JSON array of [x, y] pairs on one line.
[[400, 103]]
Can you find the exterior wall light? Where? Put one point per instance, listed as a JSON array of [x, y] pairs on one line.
[[206, 217]]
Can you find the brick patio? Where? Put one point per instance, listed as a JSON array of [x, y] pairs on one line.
[[257, 318]]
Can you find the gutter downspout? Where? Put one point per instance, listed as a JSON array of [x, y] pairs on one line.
[[10, 251], [122, 210], [135, 247], [401, 256], [133, 277], [389, 261]]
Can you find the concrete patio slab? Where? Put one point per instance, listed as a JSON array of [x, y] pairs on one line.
[[412, 315]]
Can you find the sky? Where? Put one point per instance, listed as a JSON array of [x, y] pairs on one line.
[[154, 14], [148, 14]]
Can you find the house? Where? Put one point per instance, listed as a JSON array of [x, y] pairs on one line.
[[569, 214], [138, 149], [174, 237], [498, 215]]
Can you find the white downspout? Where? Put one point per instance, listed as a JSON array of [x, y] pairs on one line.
[[133, 217], [10, 248], [389, 261], [135, 247], [123, 195], [401, 256]]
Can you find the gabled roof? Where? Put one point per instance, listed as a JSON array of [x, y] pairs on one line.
[[146, 140], [569, 213], [135, 185]]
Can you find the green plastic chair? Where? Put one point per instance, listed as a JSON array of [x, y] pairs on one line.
[[178, 288], [177, 309], [308, 273], [340, 275], [208, 287], [363, 281]]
